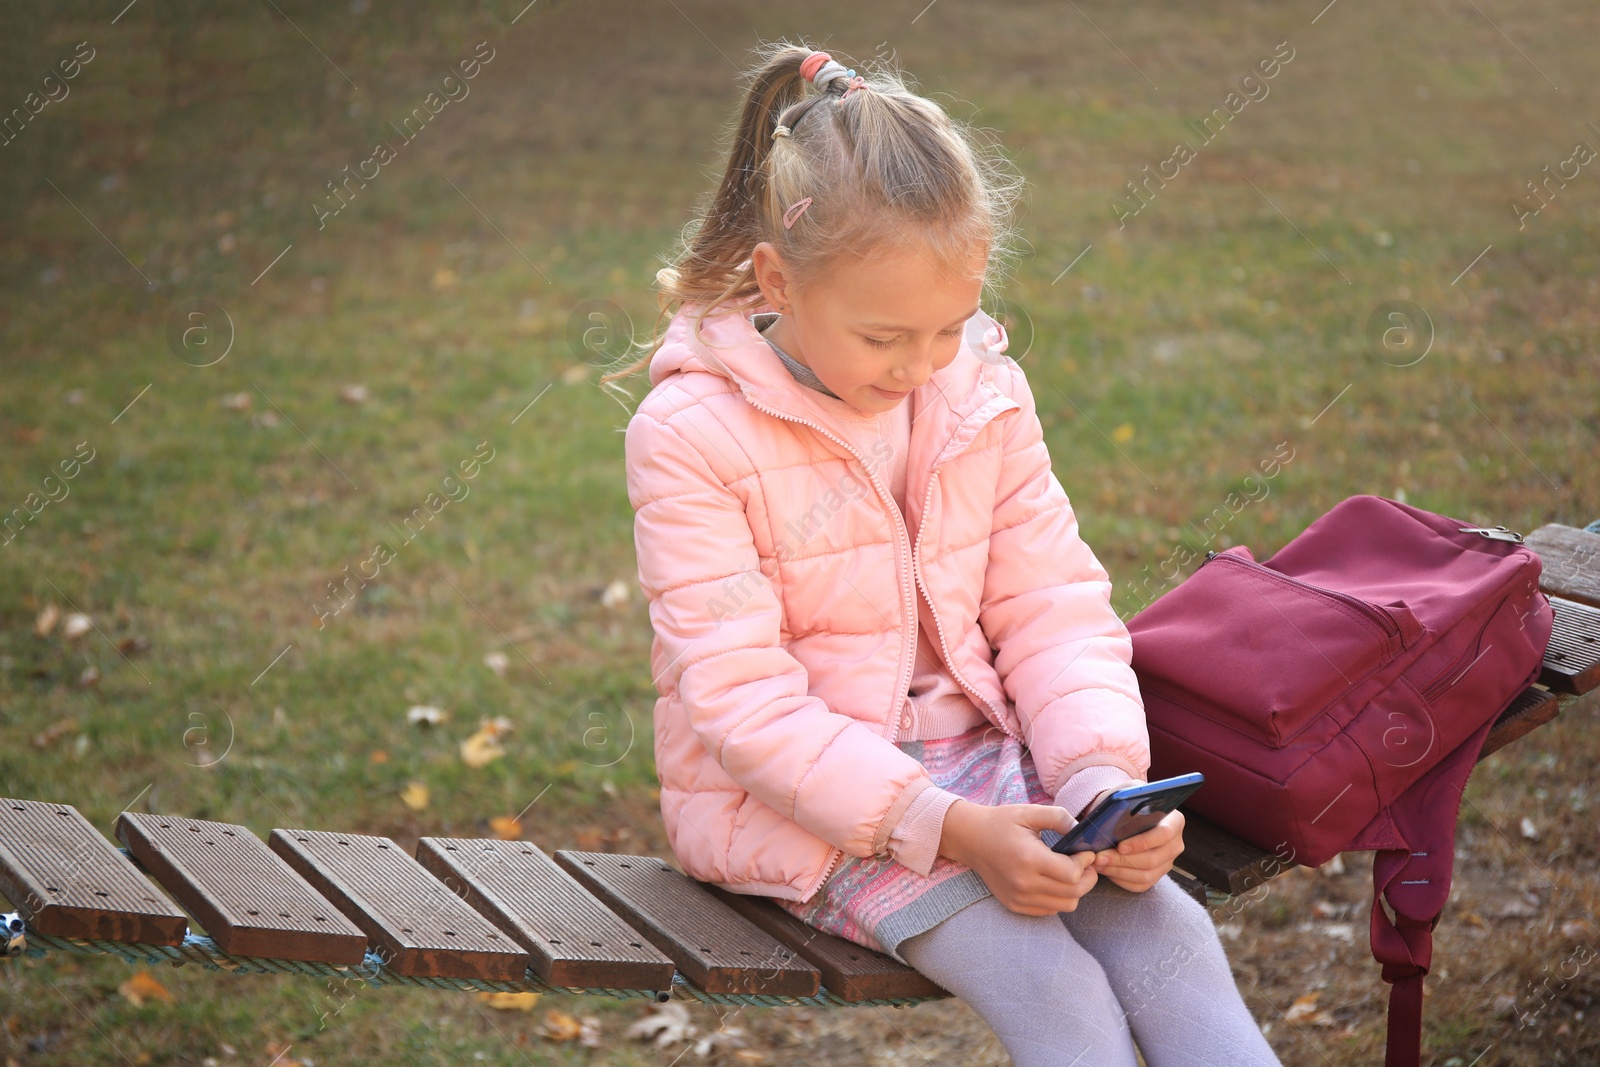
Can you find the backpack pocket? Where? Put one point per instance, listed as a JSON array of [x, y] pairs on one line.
[[1260, 652]]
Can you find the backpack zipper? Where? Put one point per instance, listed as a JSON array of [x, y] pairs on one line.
[[1390, 628]]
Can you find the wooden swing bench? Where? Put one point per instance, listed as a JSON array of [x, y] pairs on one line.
[[494, 915]]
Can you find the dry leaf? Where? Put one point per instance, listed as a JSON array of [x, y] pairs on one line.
[[506, 828], [426, 715], [615, 595], [1304, 1010], [353, 394], [1530, 831], [415, 795], [576, 373], [88, 676], [561, 1026], [1122, 433], [667, 1024], [76, 625], [47, 620], [481, 749], [497, 662], [510, 1001], [496, 727], [143, 986], [379, 756], [237, 401], [444, 278], [48, 736]]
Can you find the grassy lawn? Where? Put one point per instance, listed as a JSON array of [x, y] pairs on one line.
[[349, 368]]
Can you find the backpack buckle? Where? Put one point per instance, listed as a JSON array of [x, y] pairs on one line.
[[1496, 533]]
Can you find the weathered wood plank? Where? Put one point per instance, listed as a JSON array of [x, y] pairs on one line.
[[417, 926], [1532, 708], [250, 902], [714, 946], [574, 939], [1571, 559], [67, 880], [1572, 661], [849, 970]]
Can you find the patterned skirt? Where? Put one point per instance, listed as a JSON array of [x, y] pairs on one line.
[[878, 902]]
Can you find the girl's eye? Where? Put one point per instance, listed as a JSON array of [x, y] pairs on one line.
[[875, 343]]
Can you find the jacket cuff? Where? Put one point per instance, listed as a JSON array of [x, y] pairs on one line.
[[915, 840], [902, 803], [1085, 788]]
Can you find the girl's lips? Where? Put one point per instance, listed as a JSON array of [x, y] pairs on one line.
[[894, 396]]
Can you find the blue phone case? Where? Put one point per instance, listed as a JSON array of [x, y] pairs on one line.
[[1127, 813]]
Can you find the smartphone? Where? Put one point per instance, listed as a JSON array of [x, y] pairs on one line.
[[1127, 813]]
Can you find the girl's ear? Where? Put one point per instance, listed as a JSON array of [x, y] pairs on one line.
[[767, 262]]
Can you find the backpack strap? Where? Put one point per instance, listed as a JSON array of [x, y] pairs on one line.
[[1414, 880]]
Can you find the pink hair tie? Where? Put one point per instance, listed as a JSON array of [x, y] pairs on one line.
[[812, 63], [795, 210], [857, 82]]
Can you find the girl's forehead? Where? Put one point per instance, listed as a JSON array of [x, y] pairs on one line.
[[902, 287]]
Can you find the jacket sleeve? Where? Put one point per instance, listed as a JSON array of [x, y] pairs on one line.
[[1063, 656], [717, 621]]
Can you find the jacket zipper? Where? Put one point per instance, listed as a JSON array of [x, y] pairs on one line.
[[910, 602], [939, 626], [1390, 628], [837, 853]]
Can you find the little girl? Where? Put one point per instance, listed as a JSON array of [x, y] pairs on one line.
[[888, 668]]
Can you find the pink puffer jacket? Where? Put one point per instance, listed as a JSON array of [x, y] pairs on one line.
[[781, 576]]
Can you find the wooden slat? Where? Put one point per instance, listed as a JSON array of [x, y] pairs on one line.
[[1572, 661], [1571, 559], [67, 880], [1532, 708], [416, 924], [573, 938], [1222, 861], [714, 946], [849, 970], [250, 902]]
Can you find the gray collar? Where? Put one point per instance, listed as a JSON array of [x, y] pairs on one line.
[[798, 370]]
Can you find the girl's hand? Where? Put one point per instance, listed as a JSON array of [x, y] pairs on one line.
[[1139, 862], [1002, 844]]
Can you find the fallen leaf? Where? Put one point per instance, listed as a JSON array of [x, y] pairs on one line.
[[426, 715], [415, 795], [560, 1026], [353, 394], [76, 625], [667, 1024], [1530, 831], [133, 644], [506, 828], [496, 727], [143, 986], [481, 749], [379, 756], [49, 735], [237, 401], [615, 595], [576, 373], [1305, 1010], [88, 676], [444, 278], [497, 662], [47, 620], [1122, 433], [510, 1001]]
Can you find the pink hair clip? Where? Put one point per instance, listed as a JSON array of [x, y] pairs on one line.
[[795, 211]]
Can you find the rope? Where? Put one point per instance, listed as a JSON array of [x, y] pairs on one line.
[[201, 950]]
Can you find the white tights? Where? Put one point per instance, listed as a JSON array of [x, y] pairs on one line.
[[1081, 987]]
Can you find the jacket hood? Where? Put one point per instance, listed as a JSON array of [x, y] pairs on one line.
[[731, 347]]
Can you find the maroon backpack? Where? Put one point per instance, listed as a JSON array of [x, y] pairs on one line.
[[1337, 695]]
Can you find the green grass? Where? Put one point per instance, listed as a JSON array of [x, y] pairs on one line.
[[1172, 359]]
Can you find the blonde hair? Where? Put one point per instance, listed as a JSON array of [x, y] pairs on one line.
[[885, 168]]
